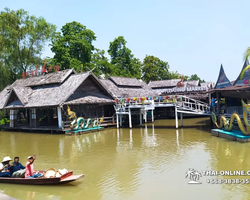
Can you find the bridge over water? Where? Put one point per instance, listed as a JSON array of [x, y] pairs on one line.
[[181, 104]]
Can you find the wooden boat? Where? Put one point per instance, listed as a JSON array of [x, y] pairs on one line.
[[66, 178]]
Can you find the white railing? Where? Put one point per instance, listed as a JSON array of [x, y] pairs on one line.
[[187, 103], [182, 102]]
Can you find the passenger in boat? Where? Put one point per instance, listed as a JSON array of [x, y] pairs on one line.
[[29, 170], [213, 104], [4, 167], [17, 170]]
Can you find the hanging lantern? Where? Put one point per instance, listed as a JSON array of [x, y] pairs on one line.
[[128, 99], [160, 98], [116, 100], [141, 99], [146, 98], [135, 99], [167, 97], [149, 98], [154, 98]]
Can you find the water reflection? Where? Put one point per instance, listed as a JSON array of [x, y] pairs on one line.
[[140, 163], [177, 138]]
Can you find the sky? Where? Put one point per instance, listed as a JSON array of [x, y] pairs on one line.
[[194, 36]]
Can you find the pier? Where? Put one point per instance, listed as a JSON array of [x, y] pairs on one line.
[[181, 104]]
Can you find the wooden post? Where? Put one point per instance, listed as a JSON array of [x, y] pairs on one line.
[[176, 117], [181, 120], [120, 120], [117, 120], [130, 120], [209, 98], [140, 118], [59, 116], [152, 115], [146, 116], [218, 102]]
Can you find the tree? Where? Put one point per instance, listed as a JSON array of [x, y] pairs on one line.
[[73, 48], [101, 64], [123, 60], [22, 39], [194, 77], [176, 75], [154, 69], [247, 53]]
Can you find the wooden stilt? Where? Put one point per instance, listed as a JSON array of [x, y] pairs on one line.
[[176, 117], [117, 121], [140, 118], [120, 120], [59, 117], [181, 120], [152, 115], [130, 120]]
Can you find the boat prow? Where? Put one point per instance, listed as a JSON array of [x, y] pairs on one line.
[[66, 178]]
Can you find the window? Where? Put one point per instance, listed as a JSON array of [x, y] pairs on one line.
[[33, 113], [13, 114]]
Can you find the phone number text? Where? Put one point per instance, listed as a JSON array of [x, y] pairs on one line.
[[228, 181]]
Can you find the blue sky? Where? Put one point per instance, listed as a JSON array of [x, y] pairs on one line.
[[193, 36]]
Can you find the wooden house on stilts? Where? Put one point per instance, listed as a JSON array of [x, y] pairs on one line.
[[40, 102]]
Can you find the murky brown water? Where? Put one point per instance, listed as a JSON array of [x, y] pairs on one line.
[[142, 163]]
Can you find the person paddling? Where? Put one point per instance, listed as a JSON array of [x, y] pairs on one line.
[[29, 170]]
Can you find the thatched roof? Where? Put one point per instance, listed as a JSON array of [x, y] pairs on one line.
[[4, 96], [23, 93], [163, 83], [193, 82], [89, 98], [128, 91], [56, 94], [124, 81], [50, 78], [208, 85]]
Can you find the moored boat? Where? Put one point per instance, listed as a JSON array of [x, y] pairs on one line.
[[66, 178]]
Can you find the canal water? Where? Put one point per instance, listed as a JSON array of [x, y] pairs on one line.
[[142, 163]]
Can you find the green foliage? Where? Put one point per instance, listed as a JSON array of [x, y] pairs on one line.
[[123, 60], [3, 119], [247, 53], [22, 39], [154, 69], [73, 48], [100, 63], [194, 77]]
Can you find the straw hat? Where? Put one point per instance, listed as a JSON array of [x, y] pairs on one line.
[[50, 173], [63, 171], [7, 158]]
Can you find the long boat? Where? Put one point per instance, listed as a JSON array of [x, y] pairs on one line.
[[66, 178]]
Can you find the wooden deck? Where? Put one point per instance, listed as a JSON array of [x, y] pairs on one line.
[[51, 129]]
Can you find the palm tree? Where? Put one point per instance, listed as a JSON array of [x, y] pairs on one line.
[[247, 53]]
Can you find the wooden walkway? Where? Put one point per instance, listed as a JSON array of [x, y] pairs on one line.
[[182, 104]]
